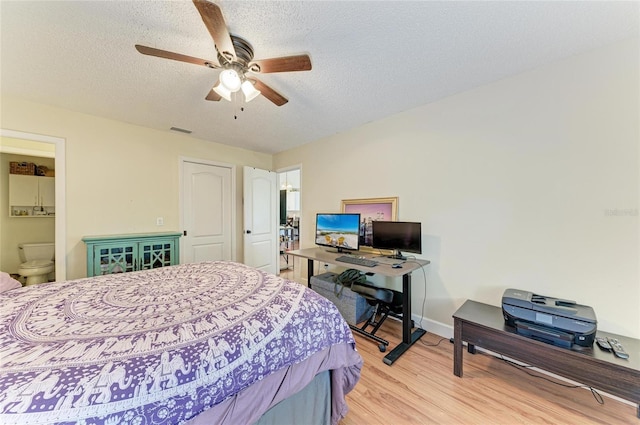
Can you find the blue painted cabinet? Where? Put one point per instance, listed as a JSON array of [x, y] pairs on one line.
[[127, 253]]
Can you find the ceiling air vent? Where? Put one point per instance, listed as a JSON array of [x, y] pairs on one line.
[[181, 130]]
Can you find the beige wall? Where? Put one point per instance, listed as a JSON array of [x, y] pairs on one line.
[[531, 182], [120, 177], [15, 230]]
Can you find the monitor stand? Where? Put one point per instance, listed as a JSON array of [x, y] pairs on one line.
[[336, 250], [397, 255]]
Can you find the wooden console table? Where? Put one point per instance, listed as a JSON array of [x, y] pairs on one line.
[[483, 325], [409, 337]]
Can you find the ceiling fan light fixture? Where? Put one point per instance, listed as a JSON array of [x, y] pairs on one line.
[[222, 91], [230, 80], [249, 91]]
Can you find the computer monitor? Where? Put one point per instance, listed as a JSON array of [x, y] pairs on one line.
[[338, 230], [399, 236]]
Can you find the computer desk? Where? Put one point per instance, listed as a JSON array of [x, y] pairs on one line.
[[323, 256]]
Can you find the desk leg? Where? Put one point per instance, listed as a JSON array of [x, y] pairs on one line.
[[457, 348], [309, 271], [408, 338]]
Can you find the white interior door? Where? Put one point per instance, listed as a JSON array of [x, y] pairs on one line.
[[261, 219], [207, 207]]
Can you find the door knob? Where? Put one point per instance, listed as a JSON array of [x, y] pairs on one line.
[[248, 231]]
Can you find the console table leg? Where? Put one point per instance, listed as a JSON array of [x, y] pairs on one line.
[[457, 348]]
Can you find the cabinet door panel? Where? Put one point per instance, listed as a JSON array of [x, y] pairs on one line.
[[119, 258], [153, 255], [47, 191], [23, 190]]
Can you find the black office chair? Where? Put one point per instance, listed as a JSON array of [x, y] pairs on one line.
[[385, 302]]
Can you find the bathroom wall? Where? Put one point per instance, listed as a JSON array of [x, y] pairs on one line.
[[15, 230]]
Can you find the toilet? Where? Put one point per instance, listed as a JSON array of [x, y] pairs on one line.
[[37, 261]]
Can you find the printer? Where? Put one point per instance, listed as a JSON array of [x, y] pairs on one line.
[[553, 320]]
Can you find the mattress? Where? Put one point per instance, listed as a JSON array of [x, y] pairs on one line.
[[166, 345]]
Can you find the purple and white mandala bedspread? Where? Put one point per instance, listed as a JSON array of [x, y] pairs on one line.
[[153, 347]]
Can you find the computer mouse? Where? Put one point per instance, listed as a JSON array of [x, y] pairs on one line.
[[396, 266]]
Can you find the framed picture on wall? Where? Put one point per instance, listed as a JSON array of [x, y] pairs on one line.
[[371, 209]]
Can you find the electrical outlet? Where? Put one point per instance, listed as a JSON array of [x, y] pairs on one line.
[[160, 221]]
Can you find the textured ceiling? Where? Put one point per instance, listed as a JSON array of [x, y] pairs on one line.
[[370, 59]]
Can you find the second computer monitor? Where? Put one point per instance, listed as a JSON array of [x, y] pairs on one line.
[[398, 236]]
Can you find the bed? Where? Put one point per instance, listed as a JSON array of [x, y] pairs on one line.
[[205, 343]]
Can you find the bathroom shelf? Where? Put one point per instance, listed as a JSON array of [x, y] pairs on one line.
[[131, 252], [34, 216]]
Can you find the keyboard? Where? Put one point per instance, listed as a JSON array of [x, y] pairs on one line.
[[356, 260]]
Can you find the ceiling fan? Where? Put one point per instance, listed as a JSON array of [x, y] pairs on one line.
[[235, 59]]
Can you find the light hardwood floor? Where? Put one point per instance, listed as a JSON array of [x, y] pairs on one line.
[[420, 388]]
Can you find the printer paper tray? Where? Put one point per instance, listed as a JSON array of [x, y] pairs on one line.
[[549, 335]]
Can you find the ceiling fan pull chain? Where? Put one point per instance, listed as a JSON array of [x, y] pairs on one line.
[[235, 105], [236, 100]]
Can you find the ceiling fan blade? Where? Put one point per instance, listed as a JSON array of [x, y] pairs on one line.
[[269, 93], [176, 56], [213, 96], [214, 21], [283, 64]]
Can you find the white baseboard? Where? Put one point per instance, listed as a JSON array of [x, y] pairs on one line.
[[432, 326]]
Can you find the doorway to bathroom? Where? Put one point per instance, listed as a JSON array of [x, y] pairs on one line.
[[34, 222]]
